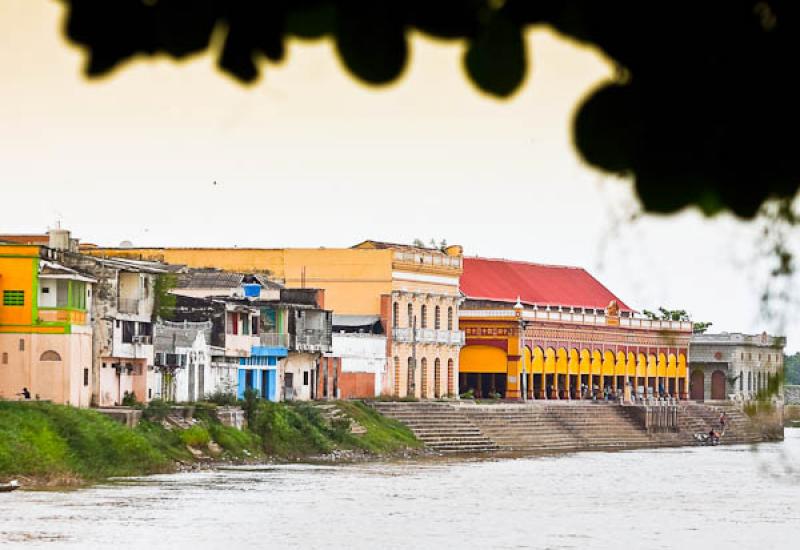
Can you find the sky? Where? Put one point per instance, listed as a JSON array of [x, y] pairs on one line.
[[310, 157]]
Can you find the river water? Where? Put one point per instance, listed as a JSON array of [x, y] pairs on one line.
[[698, 497]]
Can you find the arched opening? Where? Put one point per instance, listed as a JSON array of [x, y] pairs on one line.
[[397, 376], [437, 318], [395, 314], [537, 372], [423, 316], [424, 378], [410, 386], [697, 385], [450, 378], [483, 369], [437, 378], [449, 318], [718, 385], [410, 315], [50, 355]]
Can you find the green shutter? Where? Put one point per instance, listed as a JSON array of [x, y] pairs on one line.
[[13, 297]]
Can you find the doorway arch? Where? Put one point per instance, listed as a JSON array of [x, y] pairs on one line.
[[718, 385], [698, 388]]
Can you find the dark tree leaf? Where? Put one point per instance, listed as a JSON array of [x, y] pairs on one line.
[[495, 59]]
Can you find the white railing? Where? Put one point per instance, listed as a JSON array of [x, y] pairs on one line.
[[429, 336], [193, 325], [576, 318]]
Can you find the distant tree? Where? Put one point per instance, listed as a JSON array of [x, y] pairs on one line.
[[791, 367], [665, 314], [418, 243]]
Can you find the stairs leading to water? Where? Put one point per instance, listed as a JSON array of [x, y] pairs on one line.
[[465, 427], [440, 426]]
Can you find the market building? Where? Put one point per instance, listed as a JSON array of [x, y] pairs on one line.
[[554, 332]]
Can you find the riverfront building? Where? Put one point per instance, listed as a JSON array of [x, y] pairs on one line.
[[555, 332], [412, 290], [733, 365], [45, 327]]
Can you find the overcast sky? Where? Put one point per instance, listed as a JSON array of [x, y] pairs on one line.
[[309, 157]]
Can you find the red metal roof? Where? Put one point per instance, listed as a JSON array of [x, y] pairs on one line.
[[555, 285]]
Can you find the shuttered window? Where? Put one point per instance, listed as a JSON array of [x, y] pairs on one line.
[[13, 297]]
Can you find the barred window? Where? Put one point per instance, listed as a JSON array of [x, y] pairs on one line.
[[13, 297]]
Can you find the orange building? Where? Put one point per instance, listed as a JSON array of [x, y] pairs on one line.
[[45, 330], [555, 332]]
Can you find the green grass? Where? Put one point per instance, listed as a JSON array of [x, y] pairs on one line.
[[384, 435], [196, 436], [46, 440]]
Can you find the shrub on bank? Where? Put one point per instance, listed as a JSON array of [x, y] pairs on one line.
[[47, 440]]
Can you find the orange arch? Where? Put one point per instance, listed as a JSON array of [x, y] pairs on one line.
[[672, 367], [586, 362], [631, 364], [549, 361], [682, 365], [608, 363], [641, 365], [597, 362], [574, 363], [662, 365], [652, 370], [620, 368], [561, 361], [538, 360]]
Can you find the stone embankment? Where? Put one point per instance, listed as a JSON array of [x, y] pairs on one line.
[[466, 427]]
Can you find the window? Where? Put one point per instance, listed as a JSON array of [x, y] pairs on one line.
[[5, 358], [437, 318], [21, 344], [128, 331], [305, 378], [145, 329], [50, 355], [424, 316], [395, 314], [45, 290], [450, 318], [62, 293], [245, 325], [410, 315], [254, 325], [85, 377], [13, 297]]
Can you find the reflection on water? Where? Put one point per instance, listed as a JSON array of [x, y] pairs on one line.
[[695, 497]]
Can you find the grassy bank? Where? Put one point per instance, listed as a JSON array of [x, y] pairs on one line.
[[56, 445]]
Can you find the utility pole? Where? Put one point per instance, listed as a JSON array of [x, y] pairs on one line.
[[518, 309]]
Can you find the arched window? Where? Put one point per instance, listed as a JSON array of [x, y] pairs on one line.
[[50, 355], [437, 377], [410, 315], [424, 383], [741, 381], [397, 376], [437, 318], [449, 318], [450, 378], [395, 314], [423, 313], [410, 390]]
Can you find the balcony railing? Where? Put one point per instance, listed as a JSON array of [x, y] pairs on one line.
[[578, 318], [274, 339], [312, 340], [429, 336], [128, 305], [56, 315]]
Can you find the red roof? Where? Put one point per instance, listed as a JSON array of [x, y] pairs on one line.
[[554, 285]]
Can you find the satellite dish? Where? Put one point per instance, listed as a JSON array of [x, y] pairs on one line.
[[126, 244]]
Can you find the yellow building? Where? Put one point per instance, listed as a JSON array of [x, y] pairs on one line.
[[413, 290], [45, 332], [555, 332]]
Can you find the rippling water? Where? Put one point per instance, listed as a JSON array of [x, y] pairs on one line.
[[668, 498]]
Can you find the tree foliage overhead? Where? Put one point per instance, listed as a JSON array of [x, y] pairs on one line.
[[698, 113]]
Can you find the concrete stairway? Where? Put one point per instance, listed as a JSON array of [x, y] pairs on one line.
[[558, 426], [330, 412], [701, 417], [440, 426]]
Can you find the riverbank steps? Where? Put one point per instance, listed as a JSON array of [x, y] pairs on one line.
[[551, 426]]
